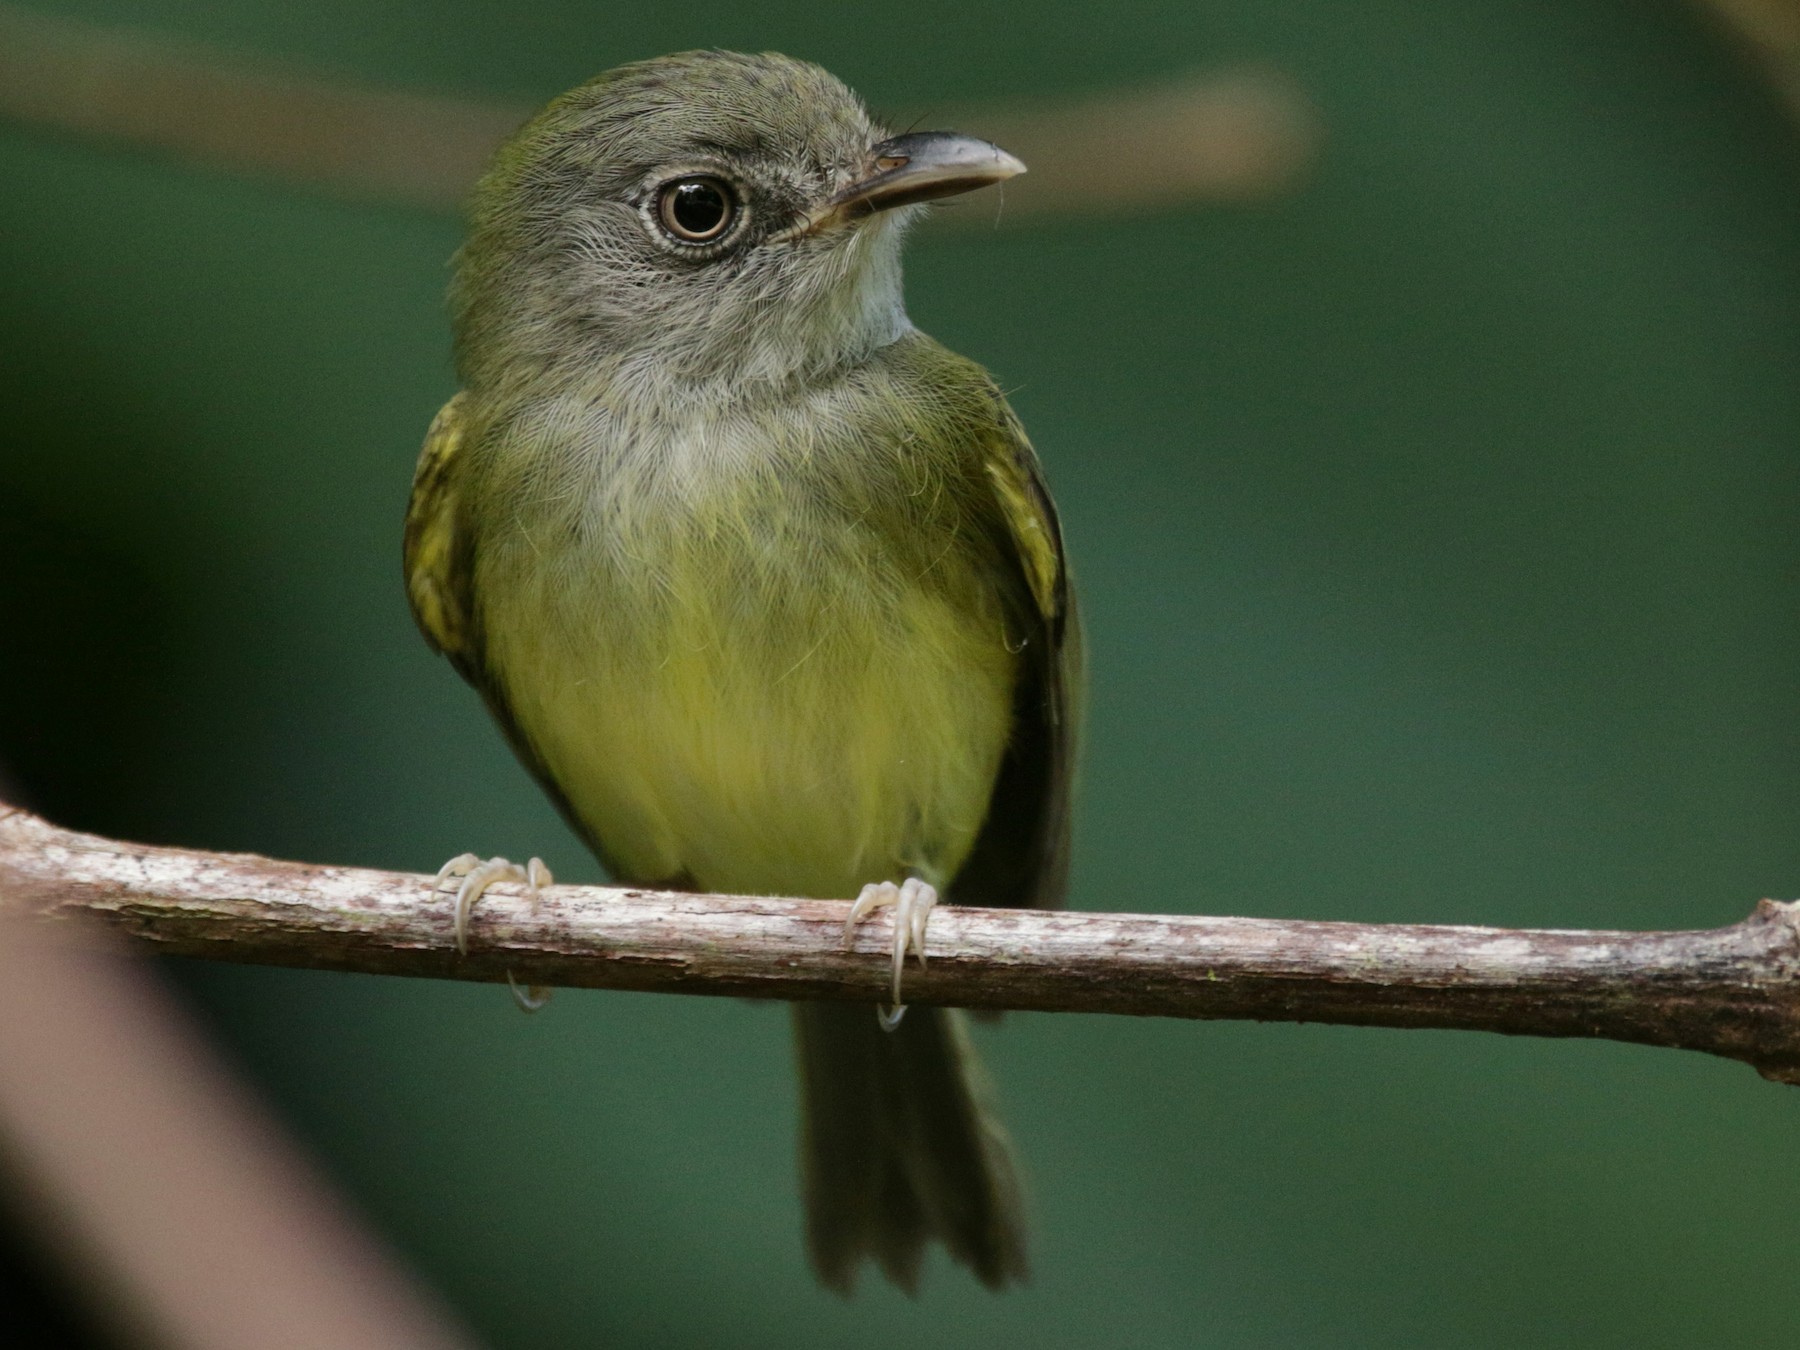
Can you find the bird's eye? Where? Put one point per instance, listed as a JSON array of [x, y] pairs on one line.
[[697, 210]]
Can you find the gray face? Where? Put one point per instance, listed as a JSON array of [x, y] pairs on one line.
[[671, 211], [776, 137], [699, 221]]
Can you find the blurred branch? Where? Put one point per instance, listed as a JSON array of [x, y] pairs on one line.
[[183, 1214], [1729, 991], [1239, 135], [1235, 135], [122, 87], [1770, 30]]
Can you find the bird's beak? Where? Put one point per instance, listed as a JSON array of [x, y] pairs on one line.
[[918, 167], [925, 165]]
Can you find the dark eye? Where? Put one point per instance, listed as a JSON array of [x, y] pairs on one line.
[[697, 210]]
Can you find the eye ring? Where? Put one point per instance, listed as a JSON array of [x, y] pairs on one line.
[[697, 208]]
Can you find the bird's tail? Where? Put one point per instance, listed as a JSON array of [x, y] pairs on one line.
[[899, 1145]]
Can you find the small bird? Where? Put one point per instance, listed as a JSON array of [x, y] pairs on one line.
[[763, 585]]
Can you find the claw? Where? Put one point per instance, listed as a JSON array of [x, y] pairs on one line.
[[912, 901], [459, 866], [529, 997], [475, 877]]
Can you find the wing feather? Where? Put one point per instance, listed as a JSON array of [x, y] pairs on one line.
[[1020, 858], [436, 553], [439, 556]]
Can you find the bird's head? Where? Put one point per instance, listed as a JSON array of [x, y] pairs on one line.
[[699, 222]]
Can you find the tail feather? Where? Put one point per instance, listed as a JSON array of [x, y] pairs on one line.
[[900, 1146]]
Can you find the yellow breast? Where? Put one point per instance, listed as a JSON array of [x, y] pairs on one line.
[[737, 680]]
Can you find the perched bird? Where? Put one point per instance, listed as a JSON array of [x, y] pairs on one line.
[[763, 584]]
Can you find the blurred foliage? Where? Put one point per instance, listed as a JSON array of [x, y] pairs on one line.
[[1435, 528]]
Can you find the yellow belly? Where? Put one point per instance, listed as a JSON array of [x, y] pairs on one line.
[[758, 703]]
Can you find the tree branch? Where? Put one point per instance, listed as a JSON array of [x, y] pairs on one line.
[[1731, 991]]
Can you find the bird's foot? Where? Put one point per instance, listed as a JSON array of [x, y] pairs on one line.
[[912, 902], [475, 874]]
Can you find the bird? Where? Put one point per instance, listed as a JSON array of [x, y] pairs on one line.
[[763, 585]]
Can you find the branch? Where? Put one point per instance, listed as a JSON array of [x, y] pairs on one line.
[[1727, 991]]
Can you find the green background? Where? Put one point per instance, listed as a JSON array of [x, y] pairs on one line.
[[1435, 526]]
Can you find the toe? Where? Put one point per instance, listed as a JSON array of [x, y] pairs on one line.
[[459, 866], [917, 900], [874, 896], [477, 881], [901, 933]]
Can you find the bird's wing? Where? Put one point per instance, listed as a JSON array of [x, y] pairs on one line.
[[439, 558], [437, 552], [1020, 858]]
